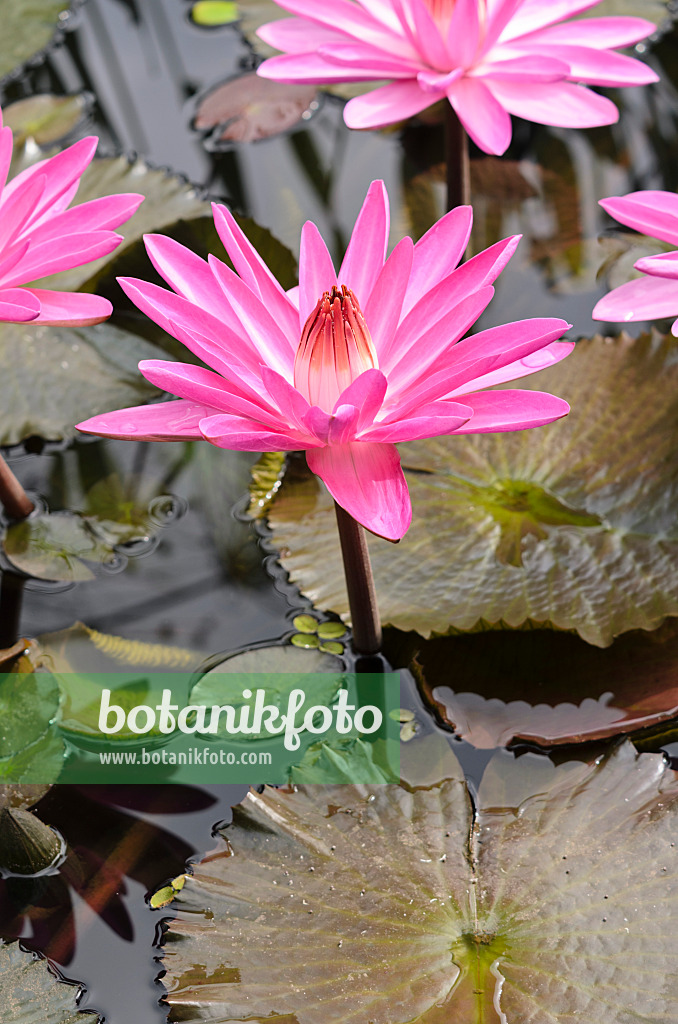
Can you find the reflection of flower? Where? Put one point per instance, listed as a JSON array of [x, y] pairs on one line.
[[654, 296], [379, 360], [40, 236], [490, 58]]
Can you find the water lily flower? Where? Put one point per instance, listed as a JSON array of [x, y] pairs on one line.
[[40, 236], [647, 298], [489, 58], [344, 366]]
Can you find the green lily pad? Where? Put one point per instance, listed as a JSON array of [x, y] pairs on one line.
[[65, 375], [213, 13], [27, 27], [338, 761], [554, 901], [21, 796], [29, 767], [573, 524], [46, 118], [654, 10], [29, 705], [55, 547], [292, 665], [30, 993]]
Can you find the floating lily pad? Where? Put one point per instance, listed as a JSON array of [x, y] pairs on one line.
[[340, 761], [21, 796], [393, 905], [248, 108], [28, 707], [65, 375], [46, 118], [56, 547], [573, 524], [27, 27], [654, 10], [29, 993], [291, 666], [543, 686], [213, 13]]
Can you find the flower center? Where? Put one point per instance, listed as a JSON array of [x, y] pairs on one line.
[[335, 348]]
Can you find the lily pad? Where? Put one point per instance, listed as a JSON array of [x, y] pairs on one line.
[[543, 686], [45, 118], [553, 901], [248, 108], [573, 524], [290, 664], [28, 707], [55, 547], [27, 27], [29, 993], [654, 10], [66, 374], [267, 474]]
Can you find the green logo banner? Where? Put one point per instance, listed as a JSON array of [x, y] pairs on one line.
[[168, 727]]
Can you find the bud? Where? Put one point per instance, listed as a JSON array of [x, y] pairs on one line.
[[335, 348]]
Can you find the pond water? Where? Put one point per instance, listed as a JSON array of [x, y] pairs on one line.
[[203, 583]]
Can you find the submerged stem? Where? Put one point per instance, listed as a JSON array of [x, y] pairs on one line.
[[12, 495], [457, 160], [362, 597]]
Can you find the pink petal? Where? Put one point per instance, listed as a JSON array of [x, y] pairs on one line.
[[598, 67], [252, 269], [240, 434], [294, 409], [653, 212], [189, 276], [415, 363], [535, 14], [314, 69], [298, 35], [6, 149], [62, 173], [383, 309], [463, 35], [501, 14], [528, 68], [358, 56], [366, 394], [18, 305], [426, 38], [95, 215], [61, 254], [437, 253], [481, 114], [366, 250], [16, 208], [430, 420], [437, 304], [366, 479], [556, 103], [540, 360], [207, 389], [394, 102], [600, 33], [316, 271], [663, 265], [648, 298], [196, 328], [274, 347], [499, 411], [350, 19], [72, 309], [165, 421]]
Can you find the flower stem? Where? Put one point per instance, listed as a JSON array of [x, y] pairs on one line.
[[457, 159], [362, 597], [12, 495]]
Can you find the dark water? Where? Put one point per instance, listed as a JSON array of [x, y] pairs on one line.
[[204, 586]]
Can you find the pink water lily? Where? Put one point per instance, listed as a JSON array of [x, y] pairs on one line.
[[489, 58], [40, 236], [347, 364], [656, 295]]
